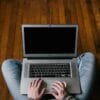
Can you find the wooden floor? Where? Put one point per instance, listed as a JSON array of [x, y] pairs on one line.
[[14, 13]]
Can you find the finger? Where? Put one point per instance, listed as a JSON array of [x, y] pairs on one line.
[[54, 94], [60, 84], [36, 82], [39, 83], [42, 92], [30, 84], [55, 88], [57, 85], [65, 84]]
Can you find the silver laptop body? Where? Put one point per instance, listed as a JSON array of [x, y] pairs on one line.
[[50, 44]]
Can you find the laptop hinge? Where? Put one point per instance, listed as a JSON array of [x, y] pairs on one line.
[[49, 57]]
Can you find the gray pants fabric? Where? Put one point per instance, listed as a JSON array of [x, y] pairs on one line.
[[11, 70]]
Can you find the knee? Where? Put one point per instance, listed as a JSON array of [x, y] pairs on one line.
[[6, 64], [90, 56]]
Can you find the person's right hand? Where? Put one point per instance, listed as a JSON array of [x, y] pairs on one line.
[[59, 90]]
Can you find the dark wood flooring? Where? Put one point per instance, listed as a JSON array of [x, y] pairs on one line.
[[14, 13]]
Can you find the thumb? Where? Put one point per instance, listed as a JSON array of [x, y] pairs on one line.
[[54, 94], [42, 92]]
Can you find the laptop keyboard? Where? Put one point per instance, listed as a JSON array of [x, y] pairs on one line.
[[49, 70]]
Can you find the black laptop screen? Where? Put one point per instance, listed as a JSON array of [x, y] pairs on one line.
[[49, 40]]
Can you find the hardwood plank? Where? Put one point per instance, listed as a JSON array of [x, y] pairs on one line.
[[31, 12], [44, 12], [96, 11], [54, 13], [17, 52], [93, 24], [67, 11], [87, 25], [62, 19], [96, 28], [73, 12], [82, 32], [12, 31], [5, 30]]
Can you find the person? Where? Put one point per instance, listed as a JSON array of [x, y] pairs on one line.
[[11, 70]]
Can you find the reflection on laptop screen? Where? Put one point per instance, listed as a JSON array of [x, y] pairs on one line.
[[49, 40]]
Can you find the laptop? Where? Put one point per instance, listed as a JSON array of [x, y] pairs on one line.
[[50, 54]]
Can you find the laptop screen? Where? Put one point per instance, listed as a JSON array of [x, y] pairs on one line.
[[45, 40]]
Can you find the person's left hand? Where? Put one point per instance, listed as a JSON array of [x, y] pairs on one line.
[[34, 91]]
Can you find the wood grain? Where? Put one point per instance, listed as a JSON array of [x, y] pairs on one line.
[[14, 13]]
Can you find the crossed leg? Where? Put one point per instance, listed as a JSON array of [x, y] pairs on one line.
[[11, 70]]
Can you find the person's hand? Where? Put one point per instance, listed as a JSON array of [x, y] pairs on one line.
[[59, 90], [34, 91]]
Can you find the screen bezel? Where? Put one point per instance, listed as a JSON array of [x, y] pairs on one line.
[[64, 55]]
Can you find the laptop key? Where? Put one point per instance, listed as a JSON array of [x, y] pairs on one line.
[[49, 70]]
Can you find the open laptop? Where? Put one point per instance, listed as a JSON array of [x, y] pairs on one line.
[[48, 54]]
